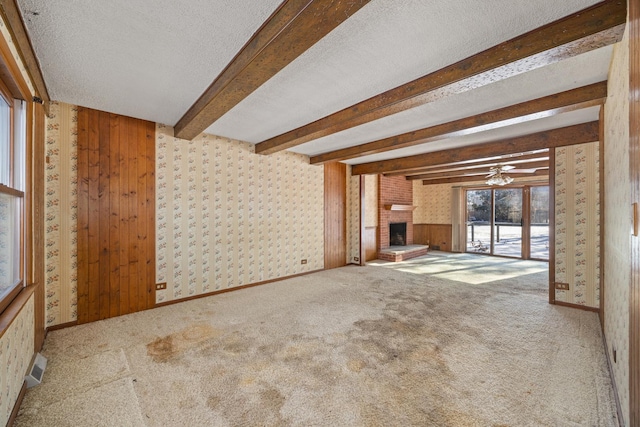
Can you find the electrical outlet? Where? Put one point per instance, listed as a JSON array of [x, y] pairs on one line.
[[161, 286], [356, 259], [303, 261], [562, 286]]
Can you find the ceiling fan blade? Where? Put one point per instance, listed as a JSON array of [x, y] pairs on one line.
[[523, 170], [507, 168]]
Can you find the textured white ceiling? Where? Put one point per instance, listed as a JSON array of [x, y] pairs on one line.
[[547, 123], [141, 58], [152, 60], [565, 75], [387, 43]]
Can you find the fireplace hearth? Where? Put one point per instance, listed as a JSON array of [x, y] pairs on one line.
[[398, 234]]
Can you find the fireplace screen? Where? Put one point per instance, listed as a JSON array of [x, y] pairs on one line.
[[398, 234]]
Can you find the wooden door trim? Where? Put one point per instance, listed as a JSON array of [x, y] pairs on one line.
[[634, 166], [362, 219], [552, 226]]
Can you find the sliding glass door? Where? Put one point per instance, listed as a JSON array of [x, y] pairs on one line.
[[539, 236], [479, 214], [507, 222], [510, 222]]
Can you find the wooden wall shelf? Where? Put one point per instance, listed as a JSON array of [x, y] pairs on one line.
[[399, 207]]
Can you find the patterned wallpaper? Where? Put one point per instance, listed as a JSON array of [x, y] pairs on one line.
[[227, 217], [371, 200], [433, 203], [353, 217], [61, 213], [617, 221], [458, 219], [577, 210], [16, 351]]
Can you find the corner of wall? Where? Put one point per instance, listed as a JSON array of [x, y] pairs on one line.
[[617, 262]]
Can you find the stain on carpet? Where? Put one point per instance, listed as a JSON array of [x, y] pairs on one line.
[[356, 365], [213, 402], [273, 399], [170, 347]]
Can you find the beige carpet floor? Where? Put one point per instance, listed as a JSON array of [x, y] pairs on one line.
[[406, 344]]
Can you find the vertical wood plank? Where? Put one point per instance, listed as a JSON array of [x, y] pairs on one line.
[[525, 249], [335, 197], [151, 214], [134, 226], [602, 217], [38, 150], [124, 214], [361, 225], [114, 216], [141, 215], [552, 226], [94, 215], [105, 214], [83, 215], [634, 166]]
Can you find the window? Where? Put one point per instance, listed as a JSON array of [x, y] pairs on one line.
[[12, 182]]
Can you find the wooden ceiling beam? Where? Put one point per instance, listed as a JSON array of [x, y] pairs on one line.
[[11, 15], [292, 29], [577, 134], [600, 25], [487, 161], [474, 171], [460, 179], [583, 97]]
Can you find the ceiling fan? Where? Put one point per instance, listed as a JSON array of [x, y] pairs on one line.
[[500, 168], [496, 176]]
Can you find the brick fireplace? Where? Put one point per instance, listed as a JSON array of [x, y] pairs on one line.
[[395, 200]]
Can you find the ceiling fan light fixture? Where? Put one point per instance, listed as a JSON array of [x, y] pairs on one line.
[[499, 179]]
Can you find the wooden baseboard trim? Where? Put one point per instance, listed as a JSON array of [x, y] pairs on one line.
[[62, 326], [237, 288], [16, 407], [578, 306], [613, 381]]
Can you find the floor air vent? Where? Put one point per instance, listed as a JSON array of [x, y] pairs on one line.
[[34, 377]]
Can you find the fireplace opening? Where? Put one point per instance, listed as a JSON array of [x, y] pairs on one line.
[[398, 234]]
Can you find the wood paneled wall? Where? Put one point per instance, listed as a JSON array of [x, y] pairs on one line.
[[634, 157], [335, 215], [370, 243], [116, 215], [438, 236]]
